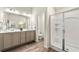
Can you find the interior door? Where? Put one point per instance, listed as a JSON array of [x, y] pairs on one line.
[[72, 30]]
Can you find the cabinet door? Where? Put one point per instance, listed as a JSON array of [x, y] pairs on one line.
[[1, 41], [7, 40], [32, 35], [22, 37], [16, 38], [72, 30], [28, 36]]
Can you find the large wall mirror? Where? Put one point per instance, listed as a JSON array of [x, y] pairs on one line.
[[14, 21]]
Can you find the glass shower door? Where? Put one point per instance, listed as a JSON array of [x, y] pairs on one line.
[[72, 30], [57, 30]]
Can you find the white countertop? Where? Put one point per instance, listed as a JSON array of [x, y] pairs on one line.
[[16, 30]]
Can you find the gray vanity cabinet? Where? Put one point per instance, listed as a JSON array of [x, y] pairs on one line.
[[12, 39]]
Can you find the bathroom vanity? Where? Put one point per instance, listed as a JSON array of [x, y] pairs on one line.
[[11, 39]]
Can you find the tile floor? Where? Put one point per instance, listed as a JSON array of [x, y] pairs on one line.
[[32, 47]]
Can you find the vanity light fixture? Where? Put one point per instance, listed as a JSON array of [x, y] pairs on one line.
[[12, 11], [29, 15]]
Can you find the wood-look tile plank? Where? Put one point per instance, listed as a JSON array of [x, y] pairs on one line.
[[32, 47]]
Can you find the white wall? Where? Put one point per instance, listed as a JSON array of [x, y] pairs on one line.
[[41, 24], [1, 13], [39, 18], [63, 9], [50, 11], [2, 17]]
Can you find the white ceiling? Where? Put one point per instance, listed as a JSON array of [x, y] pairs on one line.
[[29, 10], [58, 8]]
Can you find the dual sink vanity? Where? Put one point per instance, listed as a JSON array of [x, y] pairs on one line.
[[11, 39]]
